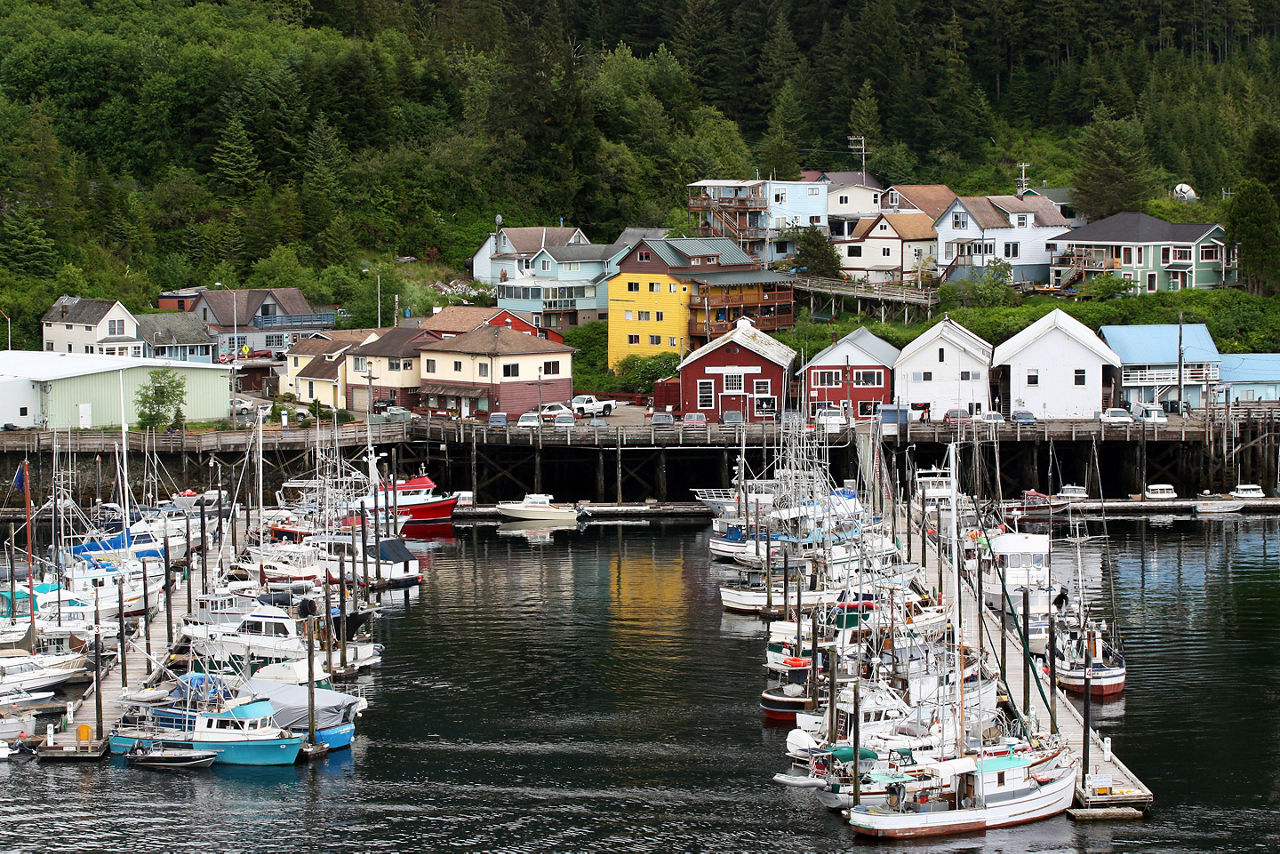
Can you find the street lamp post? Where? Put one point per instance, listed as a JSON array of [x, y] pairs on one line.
[[378, 275]]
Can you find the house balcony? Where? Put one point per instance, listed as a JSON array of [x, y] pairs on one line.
[[323, 320], [768, 298], [1086, 262], [1191, 375], [732, 232], [716, 328], [733, 203]]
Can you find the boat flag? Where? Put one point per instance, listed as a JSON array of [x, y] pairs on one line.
[[18, 482]]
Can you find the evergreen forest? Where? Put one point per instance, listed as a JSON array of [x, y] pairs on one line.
[[147, 146]]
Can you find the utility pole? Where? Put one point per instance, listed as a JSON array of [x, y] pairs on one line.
[[1022, 181], [369, 378], [858, 145]]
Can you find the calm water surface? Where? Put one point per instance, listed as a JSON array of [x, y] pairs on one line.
[[588, 693]]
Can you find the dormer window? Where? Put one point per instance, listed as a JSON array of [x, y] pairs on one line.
[[642, 255], [893, 198], [713, 259], [960, 220], [1022, 220], [884, 226], [546, 265], [695, 261]]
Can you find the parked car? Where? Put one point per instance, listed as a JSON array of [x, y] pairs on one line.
[[586, 404], [1116, 416], [1022, 416], [598, 423], [1151, 413], [694, 421], [732, 419], [662, 421], [990, 418], [956, 416], [529, 420], [565, 421], [241, 406], [830, 420], [549, 411], [497, 419]]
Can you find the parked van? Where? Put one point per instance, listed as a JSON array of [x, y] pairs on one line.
[[1152, 413]]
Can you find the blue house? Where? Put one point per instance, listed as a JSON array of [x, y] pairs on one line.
[[176, 335], [1149, 359], [760, 215], [564, 286], [1251, 376]]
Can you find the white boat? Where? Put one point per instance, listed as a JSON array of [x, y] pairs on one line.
[[19, 670], [966, 795], [1249, 492], [1070, 492], [539, 506], [1210, 504], [1159, 492]]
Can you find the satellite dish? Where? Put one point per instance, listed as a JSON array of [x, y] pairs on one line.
[[1184, 192], [497, 220]]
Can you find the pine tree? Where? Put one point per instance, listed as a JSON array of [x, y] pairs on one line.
[[864, 116], [1253, 225], [24, 246], [235, 160], [778, 155], [1114, 173], [779, 56], [1262, 160], [322, 164]]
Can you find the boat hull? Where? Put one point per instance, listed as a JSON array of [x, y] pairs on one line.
[[1106, 681], [267, 751], [538, 514]]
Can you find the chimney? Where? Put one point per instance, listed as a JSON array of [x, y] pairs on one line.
[[834, 338]]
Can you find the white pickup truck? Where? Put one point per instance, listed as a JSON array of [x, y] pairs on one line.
[[586, 404]]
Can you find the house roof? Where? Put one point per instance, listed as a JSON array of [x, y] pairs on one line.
[[45, 366], [331, 341], [933, 199], [952, 332], [459, 318], [1134, 227], [842, 179], [911, 226], [1250, 368], [984, 213], [238, 306], [527, 240], [80, 310], [676, 251], [632, 236], [326, 366], [1157, 344], [864, 225], [1059, 195], [1044, 210], [400, 341], [737, 277], [745, 334], [177, 328], [495, 341], [584, 251], [1057, 320], [879, 350]]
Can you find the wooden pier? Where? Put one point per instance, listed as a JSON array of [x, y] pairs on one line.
[[1107, 784]]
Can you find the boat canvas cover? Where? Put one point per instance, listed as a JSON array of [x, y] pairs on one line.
[[394, 551], [333, 708]]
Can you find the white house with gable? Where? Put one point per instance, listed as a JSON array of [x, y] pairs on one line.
[[945, 368], [1055, 368], [976, 230]]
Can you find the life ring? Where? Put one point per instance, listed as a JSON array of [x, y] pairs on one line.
[[797, 662]]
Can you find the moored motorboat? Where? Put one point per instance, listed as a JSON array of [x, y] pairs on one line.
[[539, 506], [163, 756], [1207, 504]]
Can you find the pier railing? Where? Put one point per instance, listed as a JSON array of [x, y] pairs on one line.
[[273, 437]]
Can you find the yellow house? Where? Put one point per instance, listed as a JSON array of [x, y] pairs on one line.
[[317, 366], [674, 295]]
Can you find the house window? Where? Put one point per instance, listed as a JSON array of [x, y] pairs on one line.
[[783, 247], [964, 376], [655, 340], [918, 252], [813, 191], [483, 369], [655, 287], [1141, 251], [311, 389], [1210, 253], [866, 408], [1011, 250], [295, 361], [1164, 254], [826, 379], [916, 376], [780, 197], [927, 376], [571, 266], [885, 252], [942, 354], [765, 403], [1033, 377], [642, 316], [527, 263], [551, 369], [633, 287], [815, 220], [274, 341], [633, 339], [893, 198], [204, 314], [671, 288], [884, 226], [511, 369], [429, 366], [627, 315], [868, 378], [875, 199], [657, 315], [546, 265], [706, 394], [1181, 254], [696, 262], [844, 200], [960, 220], [855, 251], [733, 383], [1080, 376], [1022, 220], [359, 364], [671, 342], [457, 367], [1151, 283]]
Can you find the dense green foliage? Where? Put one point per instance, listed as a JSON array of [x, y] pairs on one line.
[[159, 402], [147, 146], [634, 374]]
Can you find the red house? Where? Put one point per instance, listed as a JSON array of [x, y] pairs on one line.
[[743, 371], [455, 320], [853, 375]]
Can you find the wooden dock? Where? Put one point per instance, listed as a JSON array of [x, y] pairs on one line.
[[1107, 784]]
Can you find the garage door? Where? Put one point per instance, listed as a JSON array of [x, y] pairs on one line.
[[360, 399]]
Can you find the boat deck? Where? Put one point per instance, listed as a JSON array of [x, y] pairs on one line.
[[1112, 784]]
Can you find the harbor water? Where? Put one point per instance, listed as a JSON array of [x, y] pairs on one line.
[[583, 690]]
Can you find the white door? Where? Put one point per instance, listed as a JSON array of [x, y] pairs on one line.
[[86, 415]]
